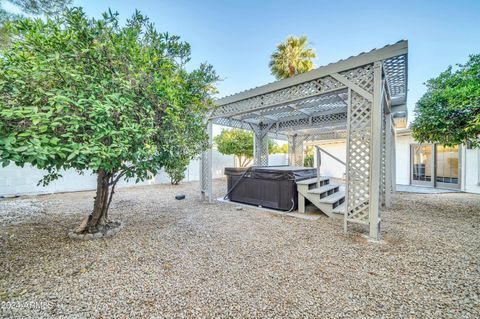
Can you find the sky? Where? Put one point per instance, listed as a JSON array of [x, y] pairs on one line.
[[238, 37]]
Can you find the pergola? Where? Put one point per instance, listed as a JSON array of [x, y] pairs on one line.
[[357, 99]]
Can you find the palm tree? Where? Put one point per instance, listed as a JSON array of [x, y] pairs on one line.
[[292, 57]]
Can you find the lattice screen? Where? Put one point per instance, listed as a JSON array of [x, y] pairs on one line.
[[362, 76], [358, 158], [261, 148], [311, 88], [206, 168], [393, 156], [396, 74], [383, 161], [232, 123], [295, 149]]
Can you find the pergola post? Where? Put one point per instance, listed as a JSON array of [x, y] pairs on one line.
[[206, 168], [388, 161], [295, 150], [260, 145], [393, 142], [375, 152], [366, 154]]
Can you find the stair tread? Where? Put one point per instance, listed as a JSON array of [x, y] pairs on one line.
[[323, 189], [335, 197], [340, 209], [311, 180]]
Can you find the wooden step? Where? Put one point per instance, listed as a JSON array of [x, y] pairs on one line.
[[323, 189], [335, 197], [311, 180], [340, 209]]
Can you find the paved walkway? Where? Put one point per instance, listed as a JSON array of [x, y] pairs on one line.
[[423, 190]]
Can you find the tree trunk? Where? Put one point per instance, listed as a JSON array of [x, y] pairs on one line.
[[291, 70], [243, 161], [99, 216]]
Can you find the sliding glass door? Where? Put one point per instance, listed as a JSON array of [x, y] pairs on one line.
[[422, 165], [447, 169], [435, 165]]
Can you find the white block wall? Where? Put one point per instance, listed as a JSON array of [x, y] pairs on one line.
[[277, 159], [15, 180]]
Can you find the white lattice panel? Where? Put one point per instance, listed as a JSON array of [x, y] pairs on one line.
[[307, 89], [358, 158], [396, 75], [330, 135], [261, 147], [310, 106], [295, 149], [362, 76], [383, 161], [206, 167], [232, 123]]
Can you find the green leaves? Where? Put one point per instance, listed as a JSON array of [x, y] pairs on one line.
[[235, 142], [239, 143], [292, 57], [449, 112], [89, 94]]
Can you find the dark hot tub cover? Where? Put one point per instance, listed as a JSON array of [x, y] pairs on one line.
[[267, 186]]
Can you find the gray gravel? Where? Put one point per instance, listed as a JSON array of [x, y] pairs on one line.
[[188, 259]]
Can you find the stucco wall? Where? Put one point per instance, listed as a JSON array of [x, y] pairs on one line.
[[15, 180], [472, 166], [332, 168], [329, 166], [402, 158]]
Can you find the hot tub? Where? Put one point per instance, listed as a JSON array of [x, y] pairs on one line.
[[267, 186]]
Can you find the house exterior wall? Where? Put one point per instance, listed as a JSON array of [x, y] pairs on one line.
[[470, 162], [329, 166], [471, 176], [402, 158]]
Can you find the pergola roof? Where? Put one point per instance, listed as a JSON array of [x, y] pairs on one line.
[[316, 101]]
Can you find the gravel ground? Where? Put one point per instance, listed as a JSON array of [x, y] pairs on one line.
[[188, 259]]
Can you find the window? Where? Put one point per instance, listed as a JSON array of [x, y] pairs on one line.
[[446, 164]]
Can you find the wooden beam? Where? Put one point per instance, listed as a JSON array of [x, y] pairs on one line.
[[353, 86]]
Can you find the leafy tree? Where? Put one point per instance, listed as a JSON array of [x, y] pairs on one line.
[[91, 95], [309, 157], [238, 143], [449, 112], [277, 149], [292, 57], [175, 168], [33, 7]]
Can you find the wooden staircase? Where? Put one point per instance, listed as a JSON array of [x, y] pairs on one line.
[[321, 193]]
